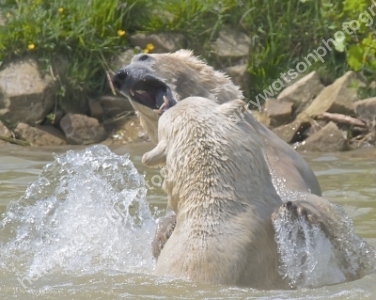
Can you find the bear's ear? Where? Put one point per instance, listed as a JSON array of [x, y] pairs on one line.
[[234, 107], [156, 157]]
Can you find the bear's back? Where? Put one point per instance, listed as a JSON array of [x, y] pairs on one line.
[[212, 156]]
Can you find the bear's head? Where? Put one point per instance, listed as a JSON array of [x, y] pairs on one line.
[[159, 81]]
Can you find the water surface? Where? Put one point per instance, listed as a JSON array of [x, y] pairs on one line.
[[84, 228]]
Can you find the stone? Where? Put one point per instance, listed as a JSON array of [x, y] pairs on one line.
[[40, 135], [372, 85], [315, 126], [302, 92], [130, 131], [59, 64], [292, 132], [366, 110], [114, 105], [278, 112], [4, 131], [82, 130], [338, 97], [122, 59], [239, 76], [328, 139], [25, 96], [231, 44], [96, 110], [2, 20], [162, 42], [54, 117]]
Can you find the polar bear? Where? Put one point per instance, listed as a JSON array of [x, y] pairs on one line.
[[220, 187], [156, 82], [223, 198]]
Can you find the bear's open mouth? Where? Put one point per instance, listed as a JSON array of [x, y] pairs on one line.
[[152, 93]]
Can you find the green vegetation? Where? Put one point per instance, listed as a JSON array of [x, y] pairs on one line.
[[82, 36]]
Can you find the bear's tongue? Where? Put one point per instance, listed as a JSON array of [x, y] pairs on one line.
[[158, 99], [145, 98], [152, 98]]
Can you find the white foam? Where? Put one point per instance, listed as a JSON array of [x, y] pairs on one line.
[[86, 213], [309, 259]]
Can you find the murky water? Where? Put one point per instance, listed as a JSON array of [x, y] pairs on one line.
[[85, 236]]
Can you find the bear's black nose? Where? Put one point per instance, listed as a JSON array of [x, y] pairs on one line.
[[119, 78]]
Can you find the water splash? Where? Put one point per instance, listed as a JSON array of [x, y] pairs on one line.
[[309, 259], [86, 213]]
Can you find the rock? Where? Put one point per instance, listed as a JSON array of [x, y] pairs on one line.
[[366, 110], [40, 135], [4, 131], [2, 20], [239, 76], [25, 96], [292, 132], [338, 97], [328, 139], [114, 105], [278, 112], [162, 42], [131, 131], [302, 92], [54, 117], [372, 86], [96, 110], [2, 142], [134, 131], [122, 59], [60, 63], [231, 44], [82, 130], [315, 127], [163, 15]]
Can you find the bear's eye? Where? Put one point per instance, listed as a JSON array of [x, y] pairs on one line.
[[143, 57]]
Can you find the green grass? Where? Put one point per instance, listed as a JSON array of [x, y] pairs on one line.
[[79, 36], [76, 36]]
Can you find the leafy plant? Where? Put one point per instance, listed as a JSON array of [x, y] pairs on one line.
[[361, 51], [75, 37]]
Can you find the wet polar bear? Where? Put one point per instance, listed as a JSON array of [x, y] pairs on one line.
[[151, 79], [220, 188]]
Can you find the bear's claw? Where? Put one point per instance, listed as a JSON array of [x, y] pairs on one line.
[[297, 210], [164, 230]]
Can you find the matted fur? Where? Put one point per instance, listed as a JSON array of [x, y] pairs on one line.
[[187, 75], [220, 188]]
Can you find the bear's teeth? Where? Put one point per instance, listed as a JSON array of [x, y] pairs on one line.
[[165, 100], [157, 111], [140, 92], [165, 104], [131, 92]]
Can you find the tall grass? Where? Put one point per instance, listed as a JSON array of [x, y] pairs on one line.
[[75, 36]]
